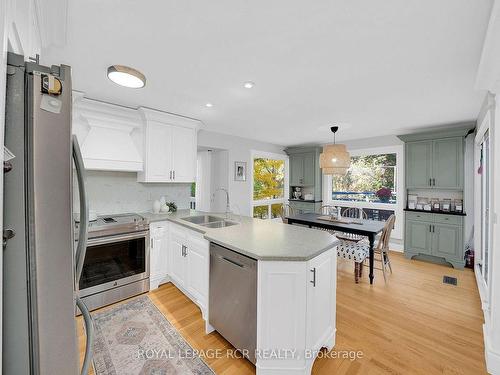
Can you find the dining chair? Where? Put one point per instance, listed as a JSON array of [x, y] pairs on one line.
[[382, 249], [359, 251], [285, 211], [352, 213]]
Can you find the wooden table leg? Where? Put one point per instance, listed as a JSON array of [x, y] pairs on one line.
[[371, 238]]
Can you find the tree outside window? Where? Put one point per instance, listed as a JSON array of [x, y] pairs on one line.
[[367, 179], [268, 187]]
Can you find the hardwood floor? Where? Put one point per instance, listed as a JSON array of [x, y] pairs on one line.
[[414, 324]]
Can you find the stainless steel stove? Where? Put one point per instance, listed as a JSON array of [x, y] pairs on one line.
[[116, 263]]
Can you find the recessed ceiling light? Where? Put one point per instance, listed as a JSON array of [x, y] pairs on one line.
[[126, 76], [248, 84], [209, 105]]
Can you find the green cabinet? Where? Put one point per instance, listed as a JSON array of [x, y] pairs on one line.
[[296, 169], [302, 169], [304, 207], [448, 163], [435, 164], [418, 164], [435, 235], [418, 237]]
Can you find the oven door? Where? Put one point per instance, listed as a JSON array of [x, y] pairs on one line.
[[114, 261]]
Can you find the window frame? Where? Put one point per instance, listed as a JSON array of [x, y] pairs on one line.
[[397, 207], [255, 154]]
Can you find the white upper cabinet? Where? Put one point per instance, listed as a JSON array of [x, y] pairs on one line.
[[169, 147]]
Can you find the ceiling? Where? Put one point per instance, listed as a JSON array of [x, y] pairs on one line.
[[374, 67]]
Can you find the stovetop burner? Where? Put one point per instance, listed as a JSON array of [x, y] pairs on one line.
[[110, 225]]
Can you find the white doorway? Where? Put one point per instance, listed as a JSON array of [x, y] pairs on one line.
[[212, 176]]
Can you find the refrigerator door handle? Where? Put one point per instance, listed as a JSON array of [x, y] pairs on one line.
[[84, 210], [89, 330]]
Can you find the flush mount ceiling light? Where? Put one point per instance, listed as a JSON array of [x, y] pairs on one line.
[[248, 84], [334, 159], [126, 76], [209, 105]]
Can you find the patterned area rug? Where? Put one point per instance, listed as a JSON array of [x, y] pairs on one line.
[[136, 339]]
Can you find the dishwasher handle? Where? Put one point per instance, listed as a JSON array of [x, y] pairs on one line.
[[232, 262]]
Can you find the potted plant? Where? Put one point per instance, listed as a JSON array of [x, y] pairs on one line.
[[384, 194]]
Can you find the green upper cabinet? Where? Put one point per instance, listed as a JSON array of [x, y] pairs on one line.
[[302, 169], [418, 164], [448, 163], [435, 164], [297, 169], [309, 168]]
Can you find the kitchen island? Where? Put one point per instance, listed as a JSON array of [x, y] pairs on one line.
[[291, 308]]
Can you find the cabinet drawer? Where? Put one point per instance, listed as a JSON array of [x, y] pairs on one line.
[[420, 216], [448, 219]]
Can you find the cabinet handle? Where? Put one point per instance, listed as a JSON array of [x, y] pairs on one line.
[[430, 181], [184, 250], [430, 228], [433, 228], [173, 175], [170, 175], [313, 281], [433, 182]]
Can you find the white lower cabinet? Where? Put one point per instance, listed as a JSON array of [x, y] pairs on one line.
[[158, 253], [295, 313], [321, 296], [177, 263], [189, 264]]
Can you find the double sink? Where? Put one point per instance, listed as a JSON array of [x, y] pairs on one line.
[[209, 221]]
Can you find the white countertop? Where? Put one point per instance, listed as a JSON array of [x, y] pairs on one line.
[[257, 238]]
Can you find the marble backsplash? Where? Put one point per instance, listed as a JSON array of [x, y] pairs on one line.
[[119, 192]]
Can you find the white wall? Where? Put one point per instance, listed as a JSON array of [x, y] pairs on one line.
[[239, 149], [119, 192]]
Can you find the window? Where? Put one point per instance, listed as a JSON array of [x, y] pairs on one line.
[[371, 178], [269, 185]]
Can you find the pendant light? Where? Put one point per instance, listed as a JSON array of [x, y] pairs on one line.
[[334, 160]]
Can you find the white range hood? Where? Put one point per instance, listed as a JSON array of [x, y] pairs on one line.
[[110, 136]]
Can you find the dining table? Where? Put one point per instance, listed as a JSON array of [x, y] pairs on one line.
[[361, 227]]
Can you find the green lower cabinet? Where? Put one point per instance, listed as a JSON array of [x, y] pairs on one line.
[[304, 207], [447, 241], [418, 236], [435, 235]]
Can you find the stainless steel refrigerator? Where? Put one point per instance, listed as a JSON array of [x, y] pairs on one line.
[[42, 259]]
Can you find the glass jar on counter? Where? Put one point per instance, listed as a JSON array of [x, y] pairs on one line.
[[446, 205], [436, 206], [459, 205]]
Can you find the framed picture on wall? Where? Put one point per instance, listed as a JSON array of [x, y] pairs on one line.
[[240, 171]]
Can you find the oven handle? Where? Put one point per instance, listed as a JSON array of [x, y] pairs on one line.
[[121, 237], [84, 210]]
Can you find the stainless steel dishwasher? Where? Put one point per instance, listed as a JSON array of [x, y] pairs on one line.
[[233, 298]]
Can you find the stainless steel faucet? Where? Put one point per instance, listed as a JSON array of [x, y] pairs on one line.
[[227, 200]]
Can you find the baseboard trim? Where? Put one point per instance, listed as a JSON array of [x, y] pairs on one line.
[[492, 358]]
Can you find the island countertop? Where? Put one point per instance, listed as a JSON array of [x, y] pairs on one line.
[[258, 239]]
